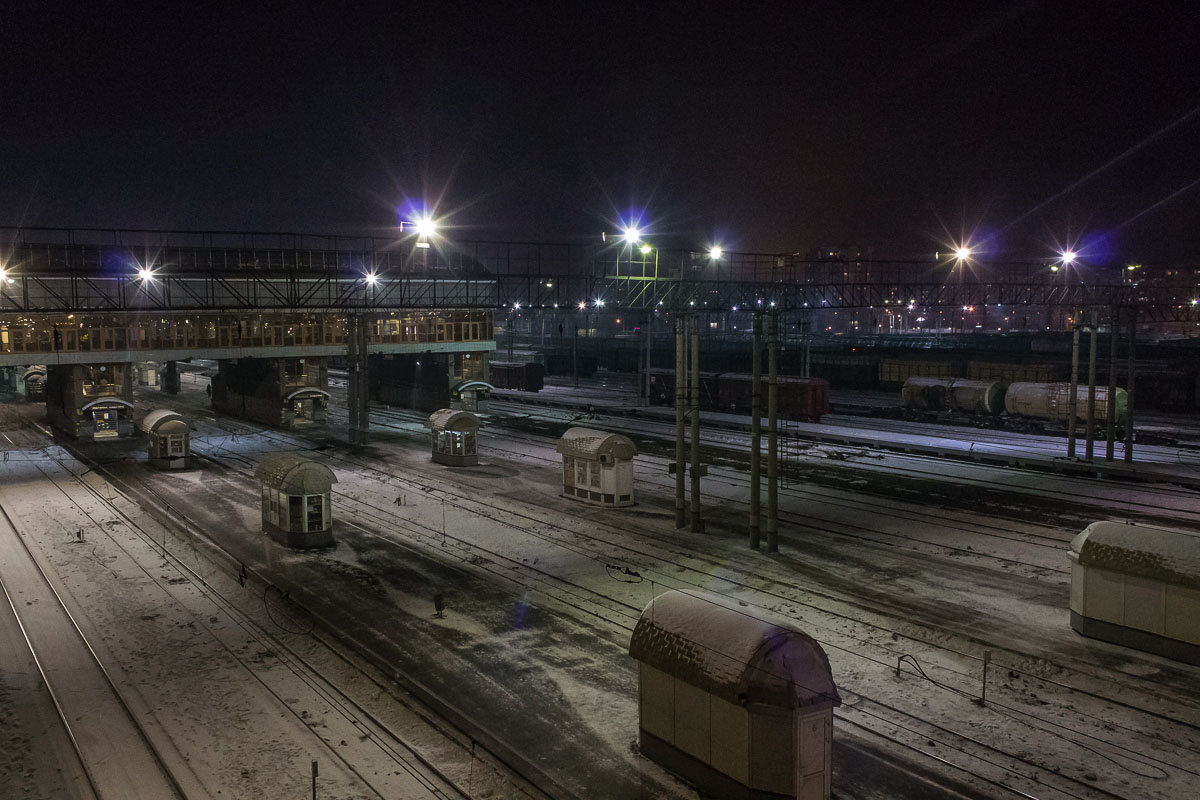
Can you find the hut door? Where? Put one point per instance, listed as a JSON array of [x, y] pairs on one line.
[[105, 423], [813, 734], [303, 410]]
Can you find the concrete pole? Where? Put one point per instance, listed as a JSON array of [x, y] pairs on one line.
[[680, 383], [756, 433], [1073, 397], [1129, 386], [1110, 407], [772, 435], [649, 340], [358, 389], [1091, 404], [575, 351], [697, 523]]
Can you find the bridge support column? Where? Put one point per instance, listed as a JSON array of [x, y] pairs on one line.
[[90, 400], [281, 392], [418, 381], [170, 381]]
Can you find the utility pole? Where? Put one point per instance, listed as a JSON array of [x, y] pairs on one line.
[[697, 470], [359, 400], [1129, 387], [680, 383], [1073, 397], [1110, 407], [1091, 404], [772, 434], [756, 434]]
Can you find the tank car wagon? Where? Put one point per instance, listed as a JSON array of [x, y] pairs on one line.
[[1052, 401], [523, 376], [1020, 406]]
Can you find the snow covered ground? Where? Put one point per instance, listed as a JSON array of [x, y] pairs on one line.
[[877, 563]]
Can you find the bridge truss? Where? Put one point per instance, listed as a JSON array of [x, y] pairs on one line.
[[49, 270]]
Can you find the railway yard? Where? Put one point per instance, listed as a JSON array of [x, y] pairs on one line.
[[929, 561]]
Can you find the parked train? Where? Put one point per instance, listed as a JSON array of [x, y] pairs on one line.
[[526, 376], [995, 404], [732, 392]]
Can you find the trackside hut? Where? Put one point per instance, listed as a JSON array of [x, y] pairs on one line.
[[1138, 586], [296, 499], [597, 466], [739, 705], [169, 436], [454, 437]]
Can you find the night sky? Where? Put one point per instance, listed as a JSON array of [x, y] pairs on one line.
[[768, 127]]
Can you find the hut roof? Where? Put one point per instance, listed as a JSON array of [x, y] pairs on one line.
[[736, 652], [591, 444], [164, 420], [1162, 554], [449, 419], [292, 473]]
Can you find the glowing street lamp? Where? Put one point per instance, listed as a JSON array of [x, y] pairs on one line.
[[371, 278], [146, 274], [715, 252], [631, 234], [645, 249], [962, 253], [1067, 257]]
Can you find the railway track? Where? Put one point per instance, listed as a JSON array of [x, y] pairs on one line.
[[386, 517], [119, 751], [1071, 788], [288, 677]]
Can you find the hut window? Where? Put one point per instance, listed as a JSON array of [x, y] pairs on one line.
[[580, 472], [315, 504], [595, 475], [568, 469]]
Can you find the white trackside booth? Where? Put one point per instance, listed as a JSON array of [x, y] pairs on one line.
[[454, 437], [1138, 586], [736, 702], [597, 466], [296, 499], [169, 436]]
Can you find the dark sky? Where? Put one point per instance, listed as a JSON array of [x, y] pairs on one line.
[[773, 126]]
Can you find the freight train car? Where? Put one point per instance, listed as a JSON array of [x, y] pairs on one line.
[[961, 395], [732, 393], [1020, 406], [526, 377]]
